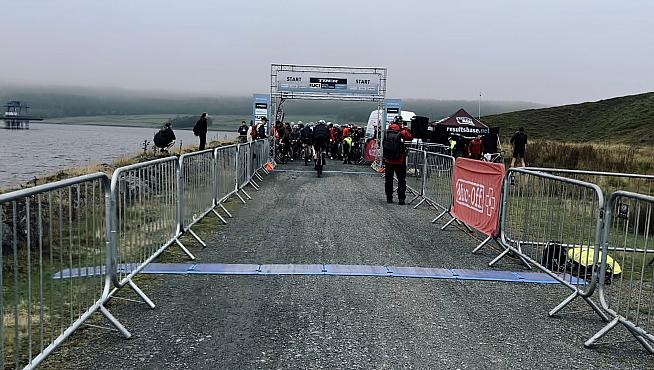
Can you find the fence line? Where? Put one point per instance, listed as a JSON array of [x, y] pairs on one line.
[[415, 163], [197, 181], [609, 182], [550, 221], [225, 158], [438, 182], [626, 279], [70, 246], [54, 257]]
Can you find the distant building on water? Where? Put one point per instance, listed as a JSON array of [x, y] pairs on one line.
[[17, 115]]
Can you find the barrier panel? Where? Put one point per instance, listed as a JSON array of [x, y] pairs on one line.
[[243, 165], [626, 290], [54, 240], [415, 169], [438, 182], [197, 180], [477, 191], [225, 171], [609, 182], [555, 224], [145, 198]]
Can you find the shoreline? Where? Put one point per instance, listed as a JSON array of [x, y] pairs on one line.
[[107, 168]]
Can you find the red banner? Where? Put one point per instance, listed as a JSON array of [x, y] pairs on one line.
[[370, 150], [477, 190]]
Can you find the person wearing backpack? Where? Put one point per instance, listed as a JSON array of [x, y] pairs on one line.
[[395, 159], [200, 129]]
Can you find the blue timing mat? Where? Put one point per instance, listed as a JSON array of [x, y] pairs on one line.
[[325, 269]]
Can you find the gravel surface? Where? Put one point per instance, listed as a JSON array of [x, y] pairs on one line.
[[309, 322]]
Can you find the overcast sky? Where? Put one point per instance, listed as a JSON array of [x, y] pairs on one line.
[[552, 52]]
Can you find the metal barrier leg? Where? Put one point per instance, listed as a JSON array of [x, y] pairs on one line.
[[590, 342], [140, 293], [258, 176], [246, 195], [115, 322], [225, 209], [439, 216], [643, 340], [204, 245], [504, 252], [219, 216], [240, 197], [254, 185], [188, 253], [571, 298], [414, 198], [419, 203], [448, 223], [482, 244]]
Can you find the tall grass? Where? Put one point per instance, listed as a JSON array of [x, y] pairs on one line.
[[590, 156]]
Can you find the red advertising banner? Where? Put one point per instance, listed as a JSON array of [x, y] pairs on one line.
[[370, 150], [477, 190]]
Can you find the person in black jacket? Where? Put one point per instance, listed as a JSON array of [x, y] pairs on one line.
[[519, 141], [200, 129], [165, 138], [243, 132]]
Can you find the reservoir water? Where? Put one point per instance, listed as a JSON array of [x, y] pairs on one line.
[[47, 148]]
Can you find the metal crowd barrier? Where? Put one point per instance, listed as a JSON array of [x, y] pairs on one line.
[[146, 218], [438, 182], [197, 181], [609, 182], [429, 176], [415, 169], [69, 246], [243, 165], [225, 171], [54, 260], [549, 222], [626, 289]]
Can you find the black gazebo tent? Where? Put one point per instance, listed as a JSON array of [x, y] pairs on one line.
[[462, 124]]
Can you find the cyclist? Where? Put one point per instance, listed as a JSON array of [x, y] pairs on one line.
[[320, 141]]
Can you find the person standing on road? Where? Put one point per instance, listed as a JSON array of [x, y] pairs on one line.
[[200, 129], [519, 141], [395, 159], [475, 148]]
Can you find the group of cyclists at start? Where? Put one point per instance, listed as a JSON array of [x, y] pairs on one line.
[[306, 141]]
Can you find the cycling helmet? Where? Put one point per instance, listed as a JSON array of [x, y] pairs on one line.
[[321, 121], [299, 122], [397, 119]]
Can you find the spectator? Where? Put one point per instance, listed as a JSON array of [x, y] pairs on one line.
[[476, 148], [261, 128], [252, 132], [395, 159], [165, 138], [243, 132], [519, 141], [200, 129]]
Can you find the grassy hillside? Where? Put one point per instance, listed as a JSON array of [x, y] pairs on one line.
[[627, 120]]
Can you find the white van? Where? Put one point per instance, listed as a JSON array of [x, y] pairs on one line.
[[379, 114]]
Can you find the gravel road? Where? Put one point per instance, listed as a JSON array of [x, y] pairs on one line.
[[315, 322]]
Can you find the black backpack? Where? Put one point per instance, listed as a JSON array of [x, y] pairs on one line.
[[393, 145]]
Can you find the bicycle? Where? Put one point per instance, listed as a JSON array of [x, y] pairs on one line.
[[319, 159], [306, 153]]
